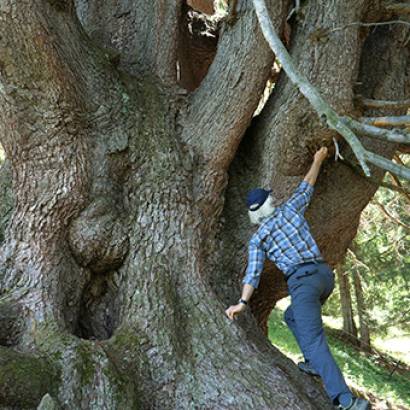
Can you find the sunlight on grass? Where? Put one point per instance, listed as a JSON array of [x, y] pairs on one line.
[[396, 343], [360, 371]]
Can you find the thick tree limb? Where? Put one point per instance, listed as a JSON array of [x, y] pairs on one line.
[[144, 35], [367, 102], [323, 109], [399, 121], [222, 107], [400, 137]]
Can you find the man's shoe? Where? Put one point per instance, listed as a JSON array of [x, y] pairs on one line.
[[307, 368], [357, 404]]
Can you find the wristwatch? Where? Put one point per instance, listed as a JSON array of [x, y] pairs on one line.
[[243, 301]]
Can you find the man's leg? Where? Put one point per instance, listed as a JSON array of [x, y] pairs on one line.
[[290, 321], [306, 308]]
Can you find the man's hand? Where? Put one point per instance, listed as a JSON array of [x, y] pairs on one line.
[[234, 310], [320, 155]]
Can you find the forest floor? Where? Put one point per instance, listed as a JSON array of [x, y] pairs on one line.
[[386, 385]]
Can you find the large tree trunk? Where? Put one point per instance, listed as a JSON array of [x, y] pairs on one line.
[[125, 244]]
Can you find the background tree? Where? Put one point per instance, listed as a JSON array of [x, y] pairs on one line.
[[127, 236], [377, 264], [346, 307]]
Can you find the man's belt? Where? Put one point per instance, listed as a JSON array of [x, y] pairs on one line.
[[300, 265]]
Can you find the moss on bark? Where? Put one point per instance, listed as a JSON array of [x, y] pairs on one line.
[[25, 379]]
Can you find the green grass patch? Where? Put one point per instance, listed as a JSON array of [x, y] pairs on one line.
[[360, 371]]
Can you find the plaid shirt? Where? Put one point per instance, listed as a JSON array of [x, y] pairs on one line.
[[284, 238]]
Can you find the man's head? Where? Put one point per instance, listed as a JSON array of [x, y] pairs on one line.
[[260, 205]]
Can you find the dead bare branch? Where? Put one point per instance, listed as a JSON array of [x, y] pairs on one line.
[[400, 137], [322, 108], [383, 103], [361, 24], [381, 162], [398, 121]]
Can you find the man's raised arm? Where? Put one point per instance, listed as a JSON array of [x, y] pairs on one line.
[[313, 172]]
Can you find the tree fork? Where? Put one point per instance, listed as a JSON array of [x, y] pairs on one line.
[[323, 109]]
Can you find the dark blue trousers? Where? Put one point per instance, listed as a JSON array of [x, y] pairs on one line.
[[309, 287]]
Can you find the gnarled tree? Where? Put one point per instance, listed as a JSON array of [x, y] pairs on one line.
[[127, 234]]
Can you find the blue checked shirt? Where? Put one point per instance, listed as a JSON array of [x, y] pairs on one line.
[[284, 238]]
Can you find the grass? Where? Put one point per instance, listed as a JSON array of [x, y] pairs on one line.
[[361, 372]]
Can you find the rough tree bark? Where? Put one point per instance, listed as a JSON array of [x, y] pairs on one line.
[[364, 330], [127, 235], [349, 325]]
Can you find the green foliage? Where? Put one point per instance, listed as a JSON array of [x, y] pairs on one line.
[[360, 371], [381, 257]]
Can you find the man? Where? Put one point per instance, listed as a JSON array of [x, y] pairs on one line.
[[284, 237]]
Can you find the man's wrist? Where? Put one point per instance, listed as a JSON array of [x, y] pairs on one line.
[[243, 302]]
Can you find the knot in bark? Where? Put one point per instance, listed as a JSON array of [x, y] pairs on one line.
[[98, 238]]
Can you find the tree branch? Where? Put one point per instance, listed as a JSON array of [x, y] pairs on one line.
[[222, 107], [400, 137], [356, 258], [399, 170], [398, 121], [390, 216], [398, 184], [359, 23], [382, 103], [322, 108]]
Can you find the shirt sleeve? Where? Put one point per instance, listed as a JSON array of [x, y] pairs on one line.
[[300, 199], [256, 259]]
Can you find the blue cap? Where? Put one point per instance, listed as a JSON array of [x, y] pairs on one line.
[[256, 198]]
